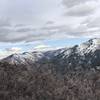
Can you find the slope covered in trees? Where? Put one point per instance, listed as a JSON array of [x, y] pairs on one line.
[[46, 82]]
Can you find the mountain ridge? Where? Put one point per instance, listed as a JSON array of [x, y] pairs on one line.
[[86, 55]]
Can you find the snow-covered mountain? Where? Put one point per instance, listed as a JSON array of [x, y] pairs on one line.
[[86, 55], [24, 58]]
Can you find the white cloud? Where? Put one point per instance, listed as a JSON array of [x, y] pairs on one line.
[[3, 54], [42, 47], [14, 50], [8, 51]]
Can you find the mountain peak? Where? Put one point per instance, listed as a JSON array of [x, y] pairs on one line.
[[94, 43], [90, 45]]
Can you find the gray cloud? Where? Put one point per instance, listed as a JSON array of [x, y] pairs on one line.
[[24, 30], [50, 23], [80, 7], [21, 33], [58, 28], [5, 22], [44, 33], [28, 33], [81, 10], [93, 23], [71, 3], [5, 30]]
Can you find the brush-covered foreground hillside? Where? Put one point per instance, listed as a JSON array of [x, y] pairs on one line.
[[44, 82]]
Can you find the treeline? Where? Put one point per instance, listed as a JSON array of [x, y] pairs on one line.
[[44, 82]]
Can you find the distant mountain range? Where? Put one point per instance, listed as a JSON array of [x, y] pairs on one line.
[[85, 56]]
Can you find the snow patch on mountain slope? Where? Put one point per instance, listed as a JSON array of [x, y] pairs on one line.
[[24, 58]]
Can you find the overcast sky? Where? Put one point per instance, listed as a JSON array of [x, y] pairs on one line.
[[27, 25]]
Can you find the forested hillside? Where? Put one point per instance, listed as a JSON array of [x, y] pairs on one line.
[[45, 82]]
